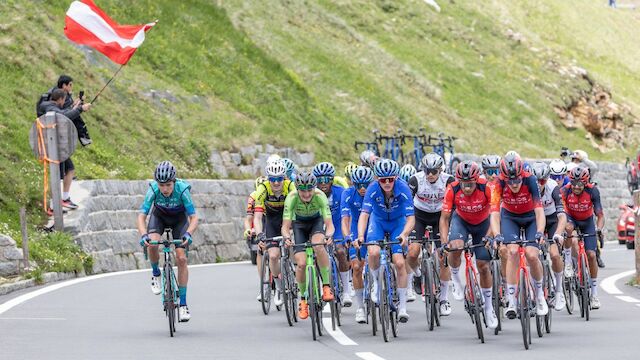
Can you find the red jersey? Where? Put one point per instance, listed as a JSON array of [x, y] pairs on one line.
[[522, 202], [473, 209], [581, 207]]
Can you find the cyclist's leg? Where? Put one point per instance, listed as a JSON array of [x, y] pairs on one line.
[[178, 230], [568, 247], [375, 233], [511, 232], [155, 229], [272, 229], [342, 258], [301, 234], [590, 244], [322, 257], [445, 272], [458, 234], [483, 259], [554, 252], [357, 267]]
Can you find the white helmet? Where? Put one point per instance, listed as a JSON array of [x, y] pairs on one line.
[[571, 166], [276, 168], [558, 167], [272, 158], [512, 153]]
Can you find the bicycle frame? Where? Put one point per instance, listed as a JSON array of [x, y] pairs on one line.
[[522, 265]]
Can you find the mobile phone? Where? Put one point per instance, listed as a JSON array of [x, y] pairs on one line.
[[81, 95]]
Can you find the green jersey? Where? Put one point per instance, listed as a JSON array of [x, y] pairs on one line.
[[296, 209]]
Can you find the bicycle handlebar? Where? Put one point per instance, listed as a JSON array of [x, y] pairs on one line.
[[166, 243]]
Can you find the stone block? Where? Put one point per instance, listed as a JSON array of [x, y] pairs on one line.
[[6, 240], [232, 252], [13, 253], [248, 150], [236, 158], [8, 268]]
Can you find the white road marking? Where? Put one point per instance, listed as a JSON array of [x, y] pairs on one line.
[[337, 335], [628, 299], [609, 284], [368, 356], [25, 318], [28, 296]]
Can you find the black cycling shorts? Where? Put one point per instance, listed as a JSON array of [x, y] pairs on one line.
[[424, 219], [272, 227], [551, 225], [178, 223], [65, 167], [303, 230]]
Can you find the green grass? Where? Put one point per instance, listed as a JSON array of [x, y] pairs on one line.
[[56, 252], [315, 75]]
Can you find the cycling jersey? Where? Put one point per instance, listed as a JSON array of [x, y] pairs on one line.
[[340, 181], [251, 204], [582, 207], [334, 205], [267, 201], [428, 196], [178, 202], [521, 203], [350, 205], [550, 198], [296, 209], [399, 205], [474, 208]]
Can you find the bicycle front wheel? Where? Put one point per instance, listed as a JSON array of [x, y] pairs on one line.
[[496, 297], [429, 294], [311, 301], [523, 307], [169, 299], [586, 287], [476, 303], [265, 285], [287, 292], [384, 307]]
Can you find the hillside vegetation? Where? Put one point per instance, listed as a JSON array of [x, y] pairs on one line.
[[314, 75]]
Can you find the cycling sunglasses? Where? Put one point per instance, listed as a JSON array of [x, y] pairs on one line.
[[276, 179], [432, 171], [517, 181], [577, 183], [387, 180], [305, 187], [325, 179], [361, 185], [557, 177], [491, 172], [467, 184]]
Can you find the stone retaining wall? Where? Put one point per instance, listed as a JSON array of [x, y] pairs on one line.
[[10, 256], [105, 223]]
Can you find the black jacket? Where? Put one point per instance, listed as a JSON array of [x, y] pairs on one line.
[[70, 112]]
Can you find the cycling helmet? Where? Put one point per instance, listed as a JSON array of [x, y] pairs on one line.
[[362, 175], [275, 169], [541, 170], [366, 156], [260, 180], [511, 167], [386, 168], [579, 173], [324, 169], [512, 153], [272, 158], [557, 167], [432, 161], [490, 161], [468, 171], [349, 169], [165, 172], [407, 171], [306, 179], [571, 166], [289, 165]]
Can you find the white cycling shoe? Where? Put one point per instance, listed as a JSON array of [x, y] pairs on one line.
[[361, 317], [346, 299], [155, 285], [560, 302], [411, 295], [595, 303], [511, 312], [277, 299], [541, 307], [259, 297], [492, 320], [374, 292], [445, 308], [458, 295], [185, 315], [403, 317]]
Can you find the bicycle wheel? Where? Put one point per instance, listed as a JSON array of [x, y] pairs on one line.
[[311, 301], [523, 308], [453, 164], [437, 287], [319, 303], [287, 292], [265, 285], [586, 287], [568, 294], [496, 293], [384, 308], [429, 295], [476, 303], [169, 303], [393, 315], [550, 286], [372, 306]]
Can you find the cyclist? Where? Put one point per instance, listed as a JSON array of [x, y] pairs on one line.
[[407, 171], [581, 203], [270, 197], [325, 173], [351, 204], [307, 210], [249, 230], [470, 197], [366, 157], [387, 208], [428, 187], [290, 167], [558, 172], [348, 171], [555, 224], [516, 205], [172, 208]]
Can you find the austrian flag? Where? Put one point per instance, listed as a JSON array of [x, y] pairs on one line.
[[87, 24]]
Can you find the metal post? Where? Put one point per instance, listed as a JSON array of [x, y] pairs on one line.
[[25, 239], [54, 169], [636, 203]]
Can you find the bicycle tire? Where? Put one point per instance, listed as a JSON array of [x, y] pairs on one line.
[[311, 302], [523, 308], [495, 293], [437, 286], [429, 295], [169, 301], [265, 285], [453, 164], [384, 308], [374, 324], [476, 303], [287, 290], [568, 294], [586, 279], [393, 315], [319, 305], [294, 290], [551, 291]]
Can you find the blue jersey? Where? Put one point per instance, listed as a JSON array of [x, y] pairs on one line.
[[350, 205], [334, 206], [179, 201], [398, 206]]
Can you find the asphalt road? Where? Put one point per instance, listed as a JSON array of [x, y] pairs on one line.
[[117, 317]]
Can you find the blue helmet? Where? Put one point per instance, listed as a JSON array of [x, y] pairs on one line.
[[407, 172], [324, 169], [362, 175], [386, 168], [289, 165], [165, 172]]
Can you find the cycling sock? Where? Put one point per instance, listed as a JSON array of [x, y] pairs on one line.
[[455, 276], [278, 282], [511, 294], [444, 290], [402, 296], [487, 293], [359, 298], [594, 287], [558, 276], [410, 280], [155, 268], [374, 274], [182, 290], [344, 277], [325, 273], [567, 255], [538, 286]]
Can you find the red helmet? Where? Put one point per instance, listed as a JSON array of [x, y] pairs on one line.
[[580, 173], [468, 171], [511, 167]]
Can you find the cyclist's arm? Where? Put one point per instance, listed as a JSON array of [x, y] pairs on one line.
[[413, 185], [144, 211], [345, 224], [261, 195], [363, 221], [408, 226], [445, 215], [142, 224], [562, 217], [287, 216], [329, 229], [193, 223], [541, 220]]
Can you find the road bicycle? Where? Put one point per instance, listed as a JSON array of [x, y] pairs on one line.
[[267, 283], [443, 146], [418, 152], [430, 277], [393, 146], [543, 323], [583, 276], [312, 292], [497, 296], [524, 291], [336, 288], [289, 285]]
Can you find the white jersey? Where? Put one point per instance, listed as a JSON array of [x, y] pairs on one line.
[[429, 196], [549, 199]]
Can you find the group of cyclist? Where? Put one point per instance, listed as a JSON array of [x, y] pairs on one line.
[[497, 203]]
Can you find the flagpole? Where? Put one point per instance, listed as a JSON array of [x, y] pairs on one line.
[[107, 84]]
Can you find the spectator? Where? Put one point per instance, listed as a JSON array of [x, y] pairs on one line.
[[580, 157], [67, 170], [65, 83]]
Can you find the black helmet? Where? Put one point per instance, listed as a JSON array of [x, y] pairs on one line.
[[165, 172]]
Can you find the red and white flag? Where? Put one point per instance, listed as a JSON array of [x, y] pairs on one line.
[[87, 24]]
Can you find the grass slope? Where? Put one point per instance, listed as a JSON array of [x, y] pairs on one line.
[[234, 72]]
